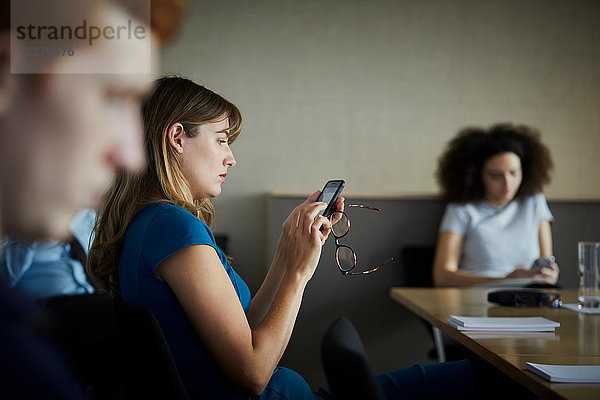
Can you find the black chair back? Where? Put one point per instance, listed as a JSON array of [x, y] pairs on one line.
[[417, 262], [346, 364], [116, 349]]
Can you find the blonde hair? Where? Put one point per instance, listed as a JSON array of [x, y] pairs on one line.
[[173, 100]]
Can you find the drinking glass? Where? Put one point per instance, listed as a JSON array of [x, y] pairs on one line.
[[589, 264]]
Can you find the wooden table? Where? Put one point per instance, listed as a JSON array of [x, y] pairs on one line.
[[576, 342]]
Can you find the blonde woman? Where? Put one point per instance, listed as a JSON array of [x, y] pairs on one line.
[[154, 247]]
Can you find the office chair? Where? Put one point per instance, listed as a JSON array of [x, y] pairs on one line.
[[117, 350], [417, 261], [346, 365]]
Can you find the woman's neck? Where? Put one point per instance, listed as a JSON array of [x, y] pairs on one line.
[[497, 204]]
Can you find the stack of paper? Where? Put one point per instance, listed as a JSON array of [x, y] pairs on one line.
[[566, 373], [509, 324], [583, 310], [481, 335]]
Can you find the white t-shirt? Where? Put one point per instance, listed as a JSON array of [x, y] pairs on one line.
[[497, 240]]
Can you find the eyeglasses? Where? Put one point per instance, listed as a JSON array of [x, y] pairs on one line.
[[345, 256]]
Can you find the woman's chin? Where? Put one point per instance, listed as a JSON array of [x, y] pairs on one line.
[[217, 191], [500, 200], [208, 195]]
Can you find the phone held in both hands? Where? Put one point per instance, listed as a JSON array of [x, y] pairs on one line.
[[330, 194], [542, 263]]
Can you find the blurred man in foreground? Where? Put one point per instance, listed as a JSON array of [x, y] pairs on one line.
[[66, 124]]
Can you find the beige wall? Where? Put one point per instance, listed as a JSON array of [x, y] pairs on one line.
[[370, 91]]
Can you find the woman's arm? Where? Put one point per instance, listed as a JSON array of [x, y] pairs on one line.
[[261, 302], [198, 279], [545, 240], [549, 275], [445, 263], [263, 299]]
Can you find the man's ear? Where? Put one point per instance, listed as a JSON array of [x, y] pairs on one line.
[[176, 137]]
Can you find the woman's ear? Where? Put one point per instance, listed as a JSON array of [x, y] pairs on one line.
[[176, 135]]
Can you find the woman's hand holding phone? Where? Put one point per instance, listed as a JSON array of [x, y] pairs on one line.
[[547, 268], [543, 269], [302, 237], [542, 263], [306, 229]]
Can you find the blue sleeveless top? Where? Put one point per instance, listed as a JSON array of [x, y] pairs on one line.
[[158, 231]]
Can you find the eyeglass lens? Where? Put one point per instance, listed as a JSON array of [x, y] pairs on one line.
[[341, 226], [345, 257]]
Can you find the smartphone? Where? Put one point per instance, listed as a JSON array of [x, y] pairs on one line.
[[330, 194], [542, 263]]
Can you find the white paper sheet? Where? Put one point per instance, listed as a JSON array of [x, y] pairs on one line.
[[536, 335], [510, 324], [574, 307], [566, 373]]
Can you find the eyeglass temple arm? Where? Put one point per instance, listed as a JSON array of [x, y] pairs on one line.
[[362, 206], [370, 270]]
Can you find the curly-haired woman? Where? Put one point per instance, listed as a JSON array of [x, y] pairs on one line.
[[497, 221]]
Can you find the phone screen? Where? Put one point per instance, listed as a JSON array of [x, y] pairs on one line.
[[329, 195]]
